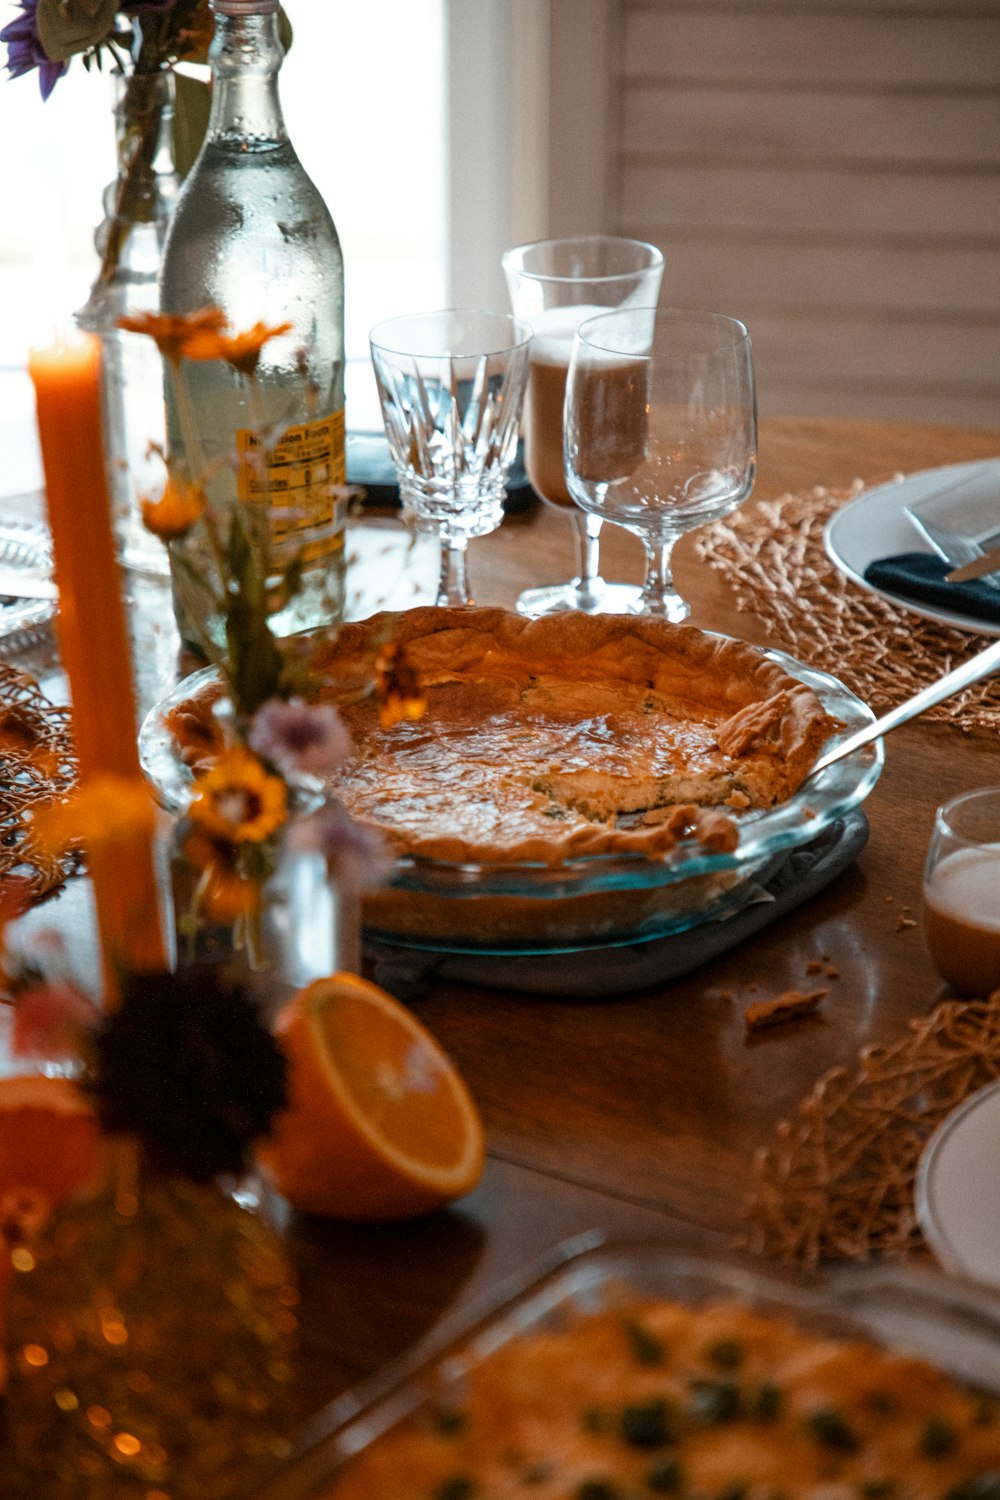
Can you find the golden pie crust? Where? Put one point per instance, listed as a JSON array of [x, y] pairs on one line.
[[544, 741]]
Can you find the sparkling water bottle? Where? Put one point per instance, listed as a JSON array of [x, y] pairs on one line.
[[252, 236]]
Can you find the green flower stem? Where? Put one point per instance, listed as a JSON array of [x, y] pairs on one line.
[[258, 416], [198, 468], [134, 198]]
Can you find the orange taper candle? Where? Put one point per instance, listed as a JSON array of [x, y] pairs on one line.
[[92, 636]]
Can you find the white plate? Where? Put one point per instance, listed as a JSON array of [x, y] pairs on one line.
[[958, 1189], [876, 525]]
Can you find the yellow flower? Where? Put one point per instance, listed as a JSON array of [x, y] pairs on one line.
[[397, 687], [241, 351], [176, 511], [103, 811], [238, 800], [173, 334]]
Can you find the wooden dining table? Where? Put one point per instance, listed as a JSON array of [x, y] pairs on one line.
[[640, 1114]]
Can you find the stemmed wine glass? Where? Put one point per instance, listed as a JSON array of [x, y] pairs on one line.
[[554, 285], [660, 429], [451, 386]]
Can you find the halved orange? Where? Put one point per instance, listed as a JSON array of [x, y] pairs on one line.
[[50, 1142], [379, 1123]]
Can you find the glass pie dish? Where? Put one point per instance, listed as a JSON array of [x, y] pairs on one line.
[[595, 900], [905, 1311]]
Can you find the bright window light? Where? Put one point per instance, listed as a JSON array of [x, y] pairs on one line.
[[363, 93]]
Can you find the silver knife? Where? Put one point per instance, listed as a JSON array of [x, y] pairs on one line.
[[17, 585], [989, 562]]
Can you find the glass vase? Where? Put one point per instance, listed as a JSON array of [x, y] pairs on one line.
[[150, 1337], [137, 207], [298, 923]]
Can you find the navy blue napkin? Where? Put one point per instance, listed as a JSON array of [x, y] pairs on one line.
[[919, 577]]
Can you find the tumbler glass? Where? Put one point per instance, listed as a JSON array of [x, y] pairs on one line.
[[451, 385], [961, 898]]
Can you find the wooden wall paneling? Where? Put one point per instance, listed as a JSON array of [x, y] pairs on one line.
[[790, 199], [828, 170], [871, 126], [862, 346], [832, 46], [584, 115], [835, 275]]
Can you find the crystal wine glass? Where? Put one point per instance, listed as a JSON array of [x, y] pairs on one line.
[[660, 429], [451, 386], [554, 285]]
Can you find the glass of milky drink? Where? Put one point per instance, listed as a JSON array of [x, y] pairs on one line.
[[961, 905], [555, 285]]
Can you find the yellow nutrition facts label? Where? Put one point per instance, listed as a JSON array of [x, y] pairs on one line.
[[297, 481]]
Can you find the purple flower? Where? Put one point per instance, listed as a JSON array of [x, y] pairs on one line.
[[356, 856], [297, 736], [25, 51]]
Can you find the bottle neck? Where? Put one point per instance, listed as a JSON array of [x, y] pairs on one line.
[[246, 54]]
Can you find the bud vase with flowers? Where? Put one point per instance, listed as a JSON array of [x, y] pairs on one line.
[[267, 866], [159, 119]]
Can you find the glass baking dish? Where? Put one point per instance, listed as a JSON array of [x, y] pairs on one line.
[[904, 1308], [598, 900]]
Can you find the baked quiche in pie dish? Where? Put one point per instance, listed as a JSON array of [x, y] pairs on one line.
[[551, 754], [635, 1369]]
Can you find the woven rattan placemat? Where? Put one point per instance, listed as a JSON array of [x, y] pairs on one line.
[[37, 765], [837, 1181], [773, 557]]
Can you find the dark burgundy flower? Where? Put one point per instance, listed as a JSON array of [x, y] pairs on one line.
[[25, 51], [187, 1064]]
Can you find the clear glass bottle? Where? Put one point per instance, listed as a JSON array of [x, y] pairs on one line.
[[250, 234]]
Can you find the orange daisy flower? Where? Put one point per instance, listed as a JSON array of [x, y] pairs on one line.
[[241, 351], [238, 800], [176, 511], [172, 333]]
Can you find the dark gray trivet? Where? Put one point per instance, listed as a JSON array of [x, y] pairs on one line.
[[615, 970]]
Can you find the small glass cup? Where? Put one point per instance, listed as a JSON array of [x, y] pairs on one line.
[[451, 385], [961, 895]]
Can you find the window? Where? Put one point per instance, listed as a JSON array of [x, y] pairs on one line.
[[364, 99]]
